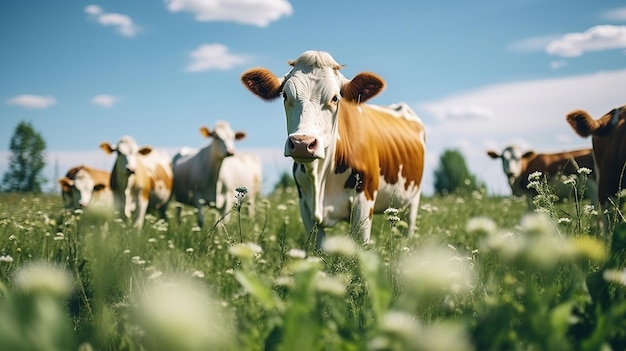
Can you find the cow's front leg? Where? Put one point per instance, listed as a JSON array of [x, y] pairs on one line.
[[198, 203], [310, 226], [361, 219], [142, 208]]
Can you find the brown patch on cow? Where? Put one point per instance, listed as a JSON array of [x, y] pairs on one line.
[[161, 174], [551, 165], [72, 172], [374, 143]]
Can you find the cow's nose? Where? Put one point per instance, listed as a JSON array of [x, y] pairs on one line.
[[302, 145]]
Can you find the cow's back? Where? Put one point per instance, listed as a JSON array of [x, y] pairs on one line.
[[383, 146]]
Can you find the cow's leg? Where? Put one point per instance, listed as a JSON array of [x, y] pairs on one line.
[[140, 211], [197, 203], [310, 225], [413, 207], [362, 213]]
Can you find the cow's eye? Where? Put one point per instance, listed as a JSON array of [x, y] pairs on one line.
[[335, 99]]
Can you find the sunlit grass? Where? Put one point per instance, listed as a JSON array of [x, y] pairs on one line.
[[481, 273]]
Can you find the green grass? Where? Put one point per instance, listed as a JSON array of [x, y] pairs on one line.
[[481, 273]]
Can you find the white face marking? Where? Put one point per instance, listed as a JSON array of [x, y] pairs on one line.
[[512, 162], [310, 109], [223, 140], [83, 188], [127, 152]]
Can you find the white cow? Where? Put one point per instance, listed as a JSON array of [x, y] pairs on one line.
[[196, 171], [84, 186], [351, 159], [141, 179], [242, 170]]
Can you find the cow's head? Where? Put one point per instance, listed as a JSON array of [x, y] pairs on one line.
[[67, 192], [312, 92], [127, 153], [511, 161], [78, 187], [223, 144]]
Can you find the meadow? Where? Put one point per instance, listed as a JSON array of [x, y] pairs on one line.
[[481, 273]]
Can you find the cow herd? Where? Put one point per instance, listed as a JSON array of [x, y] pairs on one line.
[[351, 159], [145, 178]]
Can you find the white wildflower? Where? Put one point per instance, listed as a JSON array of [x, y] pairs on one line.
[[296, 253], [534, 176], [180, 315], [481, 225], [340, 244], [44, 277]]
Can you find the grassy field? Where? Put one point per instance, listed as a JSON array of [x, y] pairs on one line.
[[482, 273]]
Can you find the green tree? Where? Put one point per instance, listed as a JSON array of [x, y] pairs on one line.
[[453, 176], [26, 162], [286, 181]]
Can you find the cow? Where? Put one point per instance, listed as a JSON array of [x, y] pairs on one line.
[[351, 159], [609, 149], [196, 171], [141, 179], [241, 170], [84, 186], [518, 166]]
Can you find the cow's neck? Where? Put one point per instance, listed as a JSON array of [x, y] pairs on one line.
[[318, 173], [215, 164]]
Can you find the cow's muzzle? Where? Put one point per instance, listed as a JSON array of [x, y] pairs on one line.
[[302, 147]]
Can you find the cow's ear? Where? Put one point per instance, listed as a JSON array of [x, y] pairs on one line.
[[145, 150], [240, 135], [493, 154], [99, 187], [262, 83], [206, 132], [528, 154], [107, 148], [65, 184], [363, 87]]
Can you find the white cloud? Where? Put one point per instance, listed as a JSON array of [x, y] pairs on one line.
[[103, 100], [212, 56], [123, 23], [597, 38], [254, 12], [618, 14], [530, 114], [532, 44], [32, 101]]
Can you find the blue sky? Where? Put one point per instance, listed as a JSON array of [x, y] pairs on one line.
[[481, 74]]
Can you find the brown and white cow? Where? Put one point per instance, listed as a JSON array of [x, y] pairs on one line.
[[141, 179], [609, 149], [517, 166], [84, 186], [198, 171], [351, 159]]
